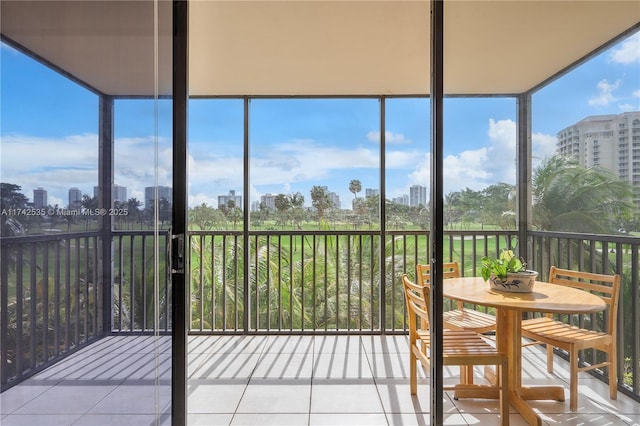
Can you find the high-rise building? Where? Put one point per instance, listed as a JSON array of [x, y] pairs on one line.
[[119, 193], [417, 195], [75, 198], [223, 200], [333, 197], [403, 200], [40, 198], [269, 200], [609, 141], [371, 192], [165, 192]]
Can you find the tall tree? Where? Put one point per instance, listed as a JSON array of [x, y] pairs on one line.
[[89, 203], [573, 198], [355, 186], [205, 217], [133, 209], [10, 199], [164, 211], [298, 214], [320, 201], [498, 205], [282, 204]]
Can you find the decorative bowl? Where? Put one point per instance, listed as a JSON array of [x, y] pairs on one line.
[[516, 282]]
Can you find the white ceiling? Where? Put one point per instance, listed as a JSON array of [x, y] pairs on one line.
[[308, 47]]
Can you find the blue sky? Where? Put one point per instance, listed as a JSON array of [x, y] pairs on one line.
[[49, 126]]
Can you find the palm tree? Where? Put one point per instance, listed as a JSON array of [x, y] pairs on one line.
[[320, 201], [133, 209], [355, 186], [573, 198], [296, 200]]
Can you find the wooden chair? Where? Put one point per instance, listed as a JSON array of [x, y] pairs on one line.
[[459, 347], [573, 339], [459, 318]]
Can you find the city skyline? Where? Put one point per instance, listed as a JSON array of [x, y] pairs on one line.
[[295, 143]]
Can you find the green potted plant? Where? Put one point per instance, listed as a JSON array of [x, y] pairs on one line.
[[508, 273]]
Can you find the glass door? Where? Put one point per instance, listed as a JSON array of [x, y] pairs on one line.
[[86, 202]]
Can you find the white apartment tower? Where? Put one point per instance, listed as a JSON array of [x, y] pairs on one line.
[[223, 200], [165, 192], [371, 192], [39, 198], [269, 200], [75, 198], [417, 195], [119, 193], [609, 141]]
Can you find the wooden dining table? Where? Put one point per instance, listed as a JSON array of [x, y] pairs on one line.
[[546, 297]]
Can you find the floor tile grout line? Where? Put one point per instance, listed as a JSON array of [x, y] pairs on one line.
[[313, 363], [235, 412], [375, 382]]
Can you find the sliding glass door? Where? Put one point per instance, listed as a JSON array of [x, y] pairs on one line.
[[86, 200]]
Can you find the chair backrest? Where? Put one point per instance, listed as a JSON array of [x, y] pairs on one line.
[[449, 270], [417, 298], [605, 286]]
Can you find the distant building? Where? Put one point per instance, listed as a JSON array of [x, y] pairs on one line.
[[40, 198], [403, 200], [75, 198], [165, 192], [118, 193], [609, 141], [223, 200], [418, 195], [333, 197], [371, 192], [269, 200], [255, 206]]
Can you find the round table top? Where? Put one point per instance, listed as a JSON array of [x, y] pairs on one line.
[[545, 297]]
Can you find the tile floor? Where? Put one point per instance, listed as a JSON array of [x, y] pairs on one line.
[[275, 380]]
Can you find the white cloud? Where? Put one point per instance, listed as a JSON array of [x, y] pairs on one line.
[[628, 51], [502, 134], [543, 146], [389, 137], [200, 198], [478, 168], [605, 93], [57, 164], [400, 159], [636, 94], [627, 107]]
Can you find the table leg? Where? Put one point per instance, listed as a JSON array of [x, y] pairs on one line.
[[509, 340]]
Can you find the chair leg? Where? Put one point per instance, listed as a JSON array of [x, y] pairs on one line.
[[503, 380], [413, 379], [573, 380], [466, 374], [613, 374], [549, 358]]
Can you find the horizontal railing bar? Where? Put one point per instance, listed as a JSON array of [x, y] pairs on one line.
[[46, 238]]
